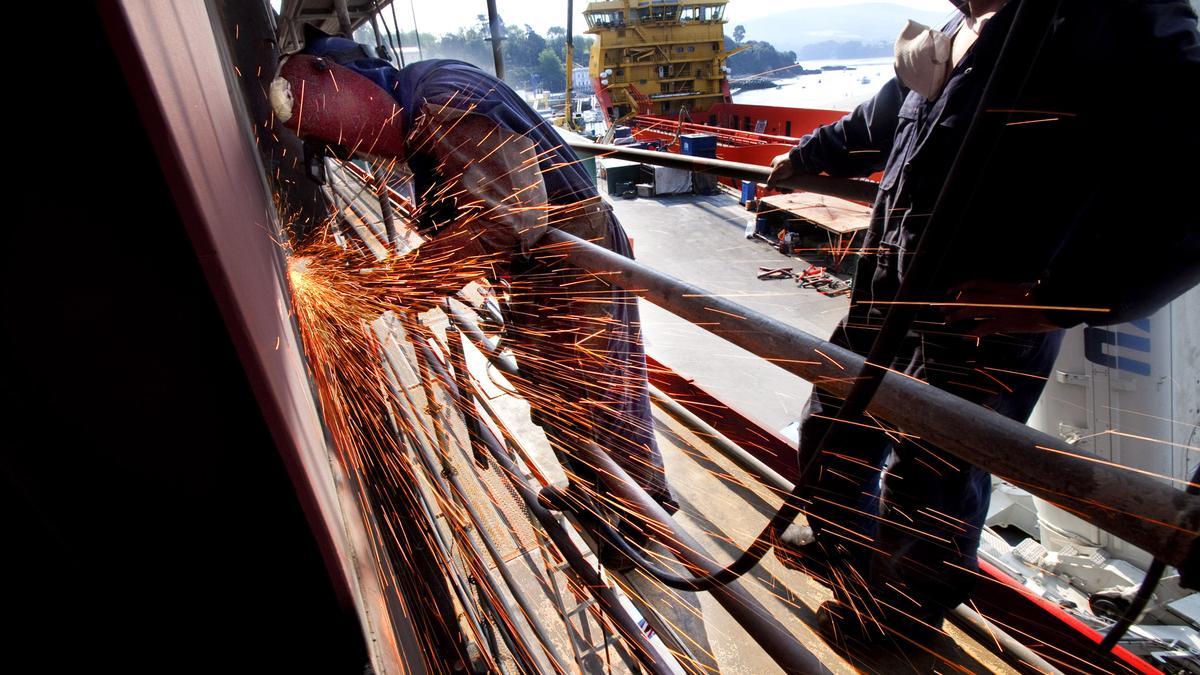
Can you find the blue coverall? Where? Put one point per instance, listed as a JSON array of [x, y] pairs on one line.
[[1100, 143], [576, 337]]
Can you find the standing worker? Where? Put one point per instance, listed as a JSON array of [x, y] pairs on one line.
[[1098, 145], [490, 177]]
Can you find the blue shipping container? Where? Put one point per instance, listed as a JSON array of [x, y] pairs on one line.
[[698, 145]]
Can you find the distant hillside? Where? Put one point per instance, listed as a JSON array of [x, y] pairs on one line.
[[846, 49], [758, 58], [867, 23]]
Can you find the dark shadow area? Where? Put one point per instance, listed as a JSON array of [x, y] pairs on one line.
[[149, 520]]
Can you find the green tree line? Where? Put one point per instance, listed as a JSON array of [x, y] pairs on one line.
[[758, 58], [526, 52]]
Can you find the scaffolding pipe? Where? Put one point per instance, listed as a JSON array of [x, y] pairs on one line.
[[845, 188], [1015, 654], [569, 48], [1135, 507], [505, 363]]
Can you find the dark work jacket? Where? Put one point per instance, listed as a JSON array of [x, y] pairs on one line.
[[578, 345], [1087, 193], [440, 79]]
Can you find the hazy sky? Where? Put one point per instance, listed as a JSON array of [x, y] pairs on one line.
[[441, 16]]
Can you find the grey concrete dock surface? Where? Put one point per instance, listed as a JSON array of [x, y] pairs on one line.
[[701, 240]]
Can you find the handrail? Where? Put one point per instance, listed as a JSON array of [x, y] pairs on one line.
[[844, 188], [1133, 506]]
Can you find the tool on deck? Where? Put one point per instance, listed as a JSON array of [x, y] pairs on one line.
[[821, 280], [765, 273]]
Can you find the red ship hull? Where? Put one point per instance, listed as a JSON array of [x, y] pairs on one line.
[[745, 133]]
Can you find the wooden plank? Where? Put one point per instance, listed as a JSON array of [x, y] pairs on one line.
[[836, 215]]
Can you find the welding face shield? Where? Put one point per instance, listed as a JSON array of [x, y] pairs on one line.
[[336, 93]]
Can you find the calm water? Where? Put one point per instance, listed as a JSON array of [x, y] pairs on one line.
[[835, 90]]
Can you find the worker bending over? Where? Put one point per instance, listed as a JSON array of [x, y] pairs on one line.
[[490, 177]]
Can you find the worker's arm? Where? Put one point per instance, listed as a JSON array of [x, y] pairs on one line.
[[488, 198], [489, 180], [855, 146]]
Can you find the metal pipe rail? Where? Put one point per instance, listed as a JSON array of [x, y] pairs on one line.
[[1131, 505], [465, 325], [845, 188]]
